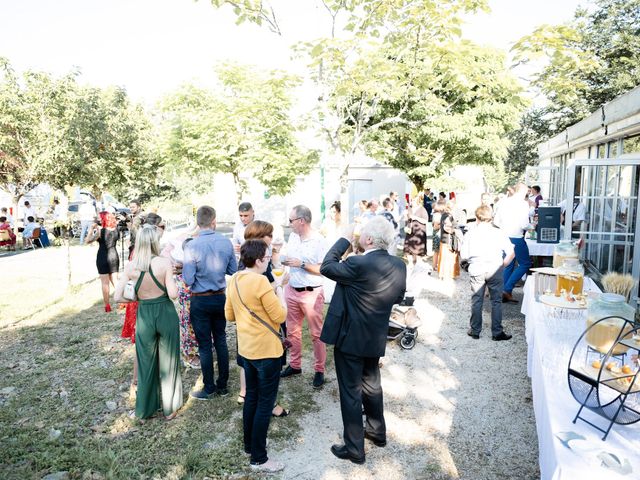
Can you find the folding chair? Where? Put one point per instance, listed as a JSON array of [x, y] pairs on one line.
[[36, 237]]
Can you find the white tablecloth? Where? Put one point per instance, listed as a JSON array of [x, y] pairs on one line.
[[540, 249], [551, 334]]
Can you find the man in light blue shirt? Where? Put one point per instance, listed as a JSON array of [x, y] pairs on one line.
[[207, 259]]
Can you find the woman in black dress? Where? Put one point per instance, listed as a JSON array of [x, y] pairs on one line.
[[107, 260]]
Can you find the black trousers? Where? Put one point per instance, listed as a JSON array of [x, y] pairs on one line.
[[359, 384]]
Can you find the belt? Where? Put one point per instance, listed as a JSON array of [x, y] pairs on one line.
[[208, 293], [305, 289]]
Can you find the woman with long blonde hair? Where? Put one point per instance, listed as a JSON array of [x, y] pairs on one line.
[[157, 331]]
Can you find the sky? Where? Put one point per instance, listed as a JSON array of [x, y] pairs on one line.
[[150, 47]]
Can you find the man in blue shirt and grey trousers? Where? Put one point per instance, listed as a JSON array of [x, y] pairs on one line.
[[207, 258]]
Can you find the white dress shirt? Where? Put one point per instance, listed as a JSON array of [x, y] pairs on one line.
[[238, 233], [512, 217], [484, 247], [311, 251]]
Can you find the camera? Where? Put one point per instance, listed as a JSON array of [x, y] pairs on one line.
[[123, 220]]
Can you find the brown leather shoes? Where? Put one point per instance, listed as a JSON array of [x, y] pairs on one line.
[[508, 298]]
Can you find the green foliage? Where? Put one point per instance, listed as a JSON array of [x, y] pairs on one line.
[[243, 126], [589, 61], [523, 151], [398, 83], [457, 109], [407, 91], [56, 131]]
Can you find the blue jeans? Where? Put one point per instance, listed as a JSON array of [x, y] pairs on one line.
[[263, 378], [207, 319], [84, 229], [512, 273]]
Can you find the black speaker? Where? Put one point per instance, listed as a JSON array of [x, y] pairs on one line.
[[548, 228]]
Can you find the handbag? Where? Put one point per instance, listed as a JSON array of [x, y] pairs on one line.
[[129, 292], [286, 343]]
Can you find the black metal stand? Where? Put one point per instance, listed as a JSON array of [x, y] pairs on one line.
[[612, 397]]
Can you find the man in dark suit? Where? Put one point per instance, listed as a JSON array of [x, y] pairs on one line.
[[357, 321]]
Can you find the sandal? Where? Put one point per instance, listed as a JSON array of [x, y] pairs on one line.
[[283, 413], [240, 399], [168, 418]]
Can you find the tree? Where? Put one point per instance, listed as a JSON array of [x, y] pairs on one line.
[[523, 151], [458, 110], [589, 61], [244, 126], [396, 82], [52, 130]]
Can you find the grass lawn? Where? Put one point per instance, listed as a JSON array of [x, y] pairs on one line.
[[64, 399]]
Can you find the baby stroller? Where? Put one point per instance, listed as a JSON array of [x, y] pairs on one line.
[[403, 326]]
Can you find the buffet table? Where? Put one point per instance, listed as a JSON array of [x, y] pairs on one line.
[[567, 450]]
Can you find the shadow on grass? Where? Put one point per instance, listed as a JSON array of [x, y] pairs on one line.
[[64, 398]]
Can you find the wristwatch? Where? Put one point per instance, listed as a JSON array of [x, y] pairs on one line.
[[302, 265]]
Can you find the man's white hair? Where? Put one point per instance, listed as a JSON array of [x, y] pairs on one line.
[[381, 232]]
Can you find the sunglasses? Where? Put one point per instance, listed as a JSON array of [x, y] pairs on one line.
[[291, 220]]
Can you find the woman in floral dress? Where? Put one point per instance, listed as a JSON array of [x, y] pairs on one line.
[[188, 343]]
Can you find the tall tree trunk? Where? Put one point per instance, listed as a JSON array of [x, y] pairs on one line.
[[238, 187], [68, 236]]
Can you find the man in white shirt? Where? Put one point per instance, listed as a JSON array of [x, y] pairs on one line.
[[304, 293], [247, 215], [579, 211], [513, 219], [488, 250], [28, 211]]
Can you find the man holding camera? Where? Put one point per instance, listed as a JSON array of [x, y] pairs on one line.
[[137, 219]]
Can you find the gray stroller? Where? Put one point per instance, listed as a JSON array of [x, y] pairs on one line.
[[403, 326]]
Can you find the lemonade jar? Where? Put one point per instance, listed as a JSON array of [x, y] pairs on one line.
[[563, 250], [605, 333], [571, 278]]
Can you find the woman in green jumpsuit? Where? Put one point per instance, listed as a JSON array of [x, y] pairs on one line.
[[157, 328]]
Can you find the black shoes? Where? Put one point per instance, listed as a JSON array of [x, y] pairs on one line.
[[475, 336], [341, 452], [287, 372], [502, 336], [375, 441], [222, 392], [318, 380]]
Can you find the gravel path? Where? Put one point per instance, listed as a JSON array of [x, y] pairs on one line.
[[455, 407]]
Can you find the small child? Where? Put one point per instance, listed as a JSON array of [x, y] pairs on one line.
[[487, 250]]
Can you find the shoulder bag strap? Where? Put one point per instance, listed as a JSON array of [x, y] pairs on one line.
[[253, 314]]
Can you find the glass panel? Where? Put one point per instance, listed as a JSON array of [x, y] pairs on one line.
[[601, 151], [613, 174], [626, 179], [613, 149], [600, 177], [622, 259], [631, 144], [603, 264]]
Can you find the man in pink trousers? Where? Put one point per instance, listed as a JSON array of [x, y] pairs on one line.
[[304, 293]]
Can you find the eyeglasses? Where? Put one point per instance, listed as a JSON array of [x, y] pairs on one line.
[[266, 258], [291, 220]]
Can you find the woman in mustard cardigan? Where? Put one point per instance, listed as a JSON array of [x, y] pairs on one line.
[[253, 305]]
